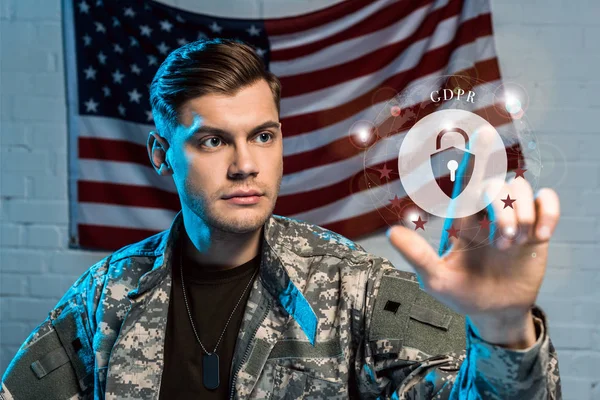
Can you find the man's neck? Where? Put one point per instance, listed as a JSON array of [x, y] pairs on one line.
[[217, 249]]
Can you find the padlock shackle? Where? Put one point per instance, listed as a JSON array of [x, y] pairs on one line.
[[438, 140]]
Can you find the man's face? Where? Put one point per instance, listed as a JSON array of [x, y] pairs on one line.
[[219, 148]]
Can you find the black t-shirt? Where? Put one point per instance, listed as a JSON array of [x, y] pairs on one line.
[[212, 296]]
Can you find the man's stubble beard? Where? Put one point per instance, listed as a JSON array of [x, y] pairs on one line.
[[221, 223]]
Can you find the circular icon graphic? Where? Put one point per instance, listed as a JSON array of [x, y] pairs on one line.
[[452, 163]]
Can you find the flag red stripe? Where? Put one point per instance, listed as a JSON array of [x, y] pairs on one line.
[[367, 223], [127, 195], [98, 237], [295, 24], [432, 61], [113, 150], [379, 20]]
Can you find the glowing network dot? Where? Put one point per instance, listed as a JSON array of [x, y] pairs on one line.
[[513, 105]]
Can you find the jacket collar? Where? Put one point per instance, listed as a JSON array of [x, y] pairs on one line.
[[279, 274]]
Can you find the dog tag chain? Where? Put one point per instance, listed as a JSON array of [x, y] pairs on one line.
[[210, 361]]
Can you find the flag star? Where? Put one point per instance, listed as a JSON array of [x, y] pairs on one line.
[[152, 60], [116, 22], [147, 7], [420, 223], [396, 202], [260, 52], [508, 201], [519, 172], [384, 172], [106, 91], [452, 231], [134, 96], [129, 12], [83, 7], [87, 40], [100, 27], [215, 27], [118, 76], [146, 30], [102, 58], [253, 31], [179, 18], [149, 116], [91, 106], [133, 41], [90, 73], [202, 35], [99, 3], [135, 69], [182, 41], [163, 48], [121, 109], [166, 25], [485, 222], [117, 48]]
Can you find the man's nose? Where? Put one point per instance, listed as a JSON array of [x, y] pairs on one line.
[[243, 163]]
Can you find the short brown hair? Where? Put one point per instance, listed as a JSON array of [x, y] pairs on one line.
[[218, 65]]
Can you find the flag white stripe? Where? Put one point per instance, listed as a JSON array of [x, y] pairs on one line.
[[301, 38], [113, 128], [124, 216], [124, 173], [352, 49], [354, 205]]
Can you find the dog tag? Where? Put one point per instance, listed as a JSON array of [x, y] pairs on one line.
[[210, 371]]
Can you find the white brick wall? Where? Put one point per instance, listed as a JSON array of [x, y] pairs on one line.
[[551, 47]]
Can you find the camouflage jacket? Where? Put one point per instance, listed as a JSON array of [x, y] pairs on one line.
[[325, 319]]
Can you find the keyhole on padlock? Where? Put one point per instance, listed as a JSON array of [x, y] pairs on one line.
[[452, 166]]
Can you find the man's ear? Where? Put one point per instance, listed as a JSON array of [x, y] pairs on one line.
[[157, 147]]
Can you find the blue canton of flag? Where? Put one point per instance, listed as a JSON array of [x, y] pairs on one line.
[[120, 45]]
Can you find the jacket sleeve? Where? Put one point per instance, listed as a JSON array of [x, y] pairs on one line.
[[56, 361], [414, 347]]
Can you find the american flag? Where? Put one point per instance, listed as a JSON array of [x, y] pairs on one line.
[[338, 66]]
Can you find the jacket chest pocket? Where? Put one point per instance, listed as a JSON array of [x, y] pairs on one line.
[[303, 371], [290, 384]]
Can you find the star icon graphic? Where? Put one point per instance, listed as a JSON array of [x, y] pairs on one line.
[[384, 172], [519, 173], [420, 223], [485, 222], [508, 202], [452, 231], [396, 202]]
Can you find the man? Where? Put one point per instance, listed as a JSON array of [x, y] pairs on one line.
[[235, 302]]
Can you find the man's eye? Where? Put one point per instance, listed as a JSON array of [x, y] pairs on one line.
[[212, 140], [265, 135]]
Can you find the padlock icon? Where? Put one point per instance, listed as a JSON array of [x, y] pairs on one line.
[[452, 167]]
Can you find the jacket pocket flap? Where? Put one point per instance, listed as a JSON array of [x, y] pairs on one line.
[[431, 317], [72, 332]]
